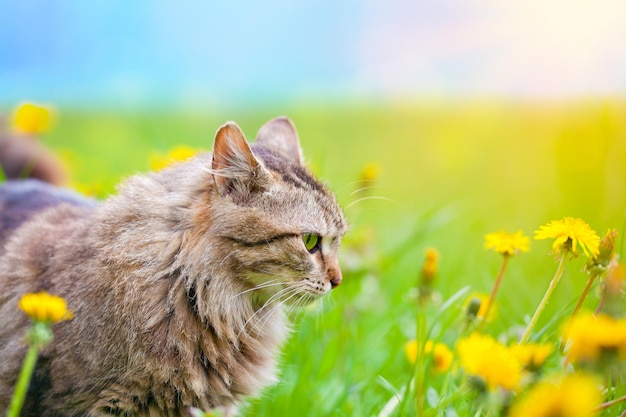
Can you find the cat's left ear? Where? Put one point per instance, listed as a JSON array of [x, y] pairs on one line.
[[234, 166], [280, 134]]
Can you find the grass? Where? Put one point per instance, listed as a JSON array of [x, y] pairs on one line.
[[449, 174]]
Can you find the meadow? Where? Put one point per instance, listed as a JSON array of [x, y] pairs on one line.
[[411, 176]]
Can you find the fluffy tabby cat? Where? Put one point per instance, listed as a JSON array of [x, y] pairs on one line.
[[178, 283]]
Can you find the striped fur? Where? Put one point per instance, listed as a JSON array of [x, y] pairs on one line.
[[179, 283]]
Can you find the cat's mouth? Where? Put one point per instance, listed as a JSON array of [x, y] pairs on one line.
[[306, 291], [293, 293], [317, 288]]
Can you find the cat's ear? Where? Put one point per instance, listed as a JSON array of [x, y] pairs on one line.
[[234, 166], [280, 135]]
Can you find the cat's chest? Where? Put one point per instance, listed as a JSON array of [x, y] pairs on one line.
[[207, 371]]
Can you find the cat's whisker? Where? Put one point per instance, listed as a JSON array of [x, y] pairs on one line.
[[278, 306], [262, 322], [296, 288], [352, 184], [362, 189], [370, 197], [274, 297], [304, 299], [272, 283]]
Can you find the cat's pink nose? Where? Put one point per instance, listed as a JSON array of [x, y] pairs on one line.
[[334, 275]]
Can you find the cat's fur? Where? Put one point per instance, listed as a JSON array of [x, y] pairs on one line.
[[23, 156], [178, 283]]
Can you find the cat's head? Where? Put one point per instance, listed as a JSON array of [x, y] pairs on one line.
[[281, 226]]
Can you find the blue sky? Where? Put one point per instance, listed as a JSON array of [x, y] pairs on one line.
[[181, 53]]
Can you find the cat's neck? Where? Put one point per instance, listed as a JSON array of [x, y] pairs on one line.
[[222, 340]]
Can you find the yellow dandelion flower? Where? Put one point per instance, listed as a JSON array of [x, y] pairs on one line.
[[410, 350], [532, 355], [180, 153], [568, 234], [591, 336], [507, 244], [44, 307], [32, 118], [574, 395], [442, 356], [482, 356], [370, 172], [477, 305]]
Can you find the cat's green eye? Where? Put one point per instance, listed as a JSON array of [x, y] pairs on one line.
[[311, 241]]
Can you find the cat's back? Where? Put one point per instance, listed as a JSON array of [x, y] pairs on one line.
[[22, 199]]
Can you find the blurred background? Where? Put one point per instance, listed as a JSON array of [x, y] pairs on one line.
[[435, 123], [147, 54]]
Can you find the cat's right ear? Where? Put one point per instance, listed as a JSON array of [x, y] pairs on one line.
[[235, 168]]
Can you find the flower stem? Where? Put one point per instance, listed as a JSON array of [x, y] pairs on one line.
[[592, 277], [608, 404], [546, 297], [23, 381], [420, 336], [494, 290]]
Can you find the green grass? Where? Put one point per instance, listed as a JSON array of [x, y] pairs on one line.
[[449, 175]]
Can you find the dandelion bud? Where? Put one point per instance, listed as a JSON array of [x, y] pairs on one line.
[[428, 274], [429, 269], [477, 384], [472, 308], [607, 245], [600, 263]]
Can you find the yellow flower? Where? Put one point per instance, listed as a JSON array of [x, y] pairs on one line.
[[410, 350], [574, 395], [441, 354], [429, 269], [591, 336], [32, 118], [482, 301], [532, 355], [180, 153], [507, 244], [44, 307], [482, 356], [568, 233], [370, 172]]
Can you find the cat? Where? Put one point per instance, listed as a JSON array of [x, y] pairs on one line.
[[23, 156], [179, 283]]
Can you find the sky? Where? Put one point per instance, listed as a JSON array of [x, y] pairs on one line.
[[142, 52]]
